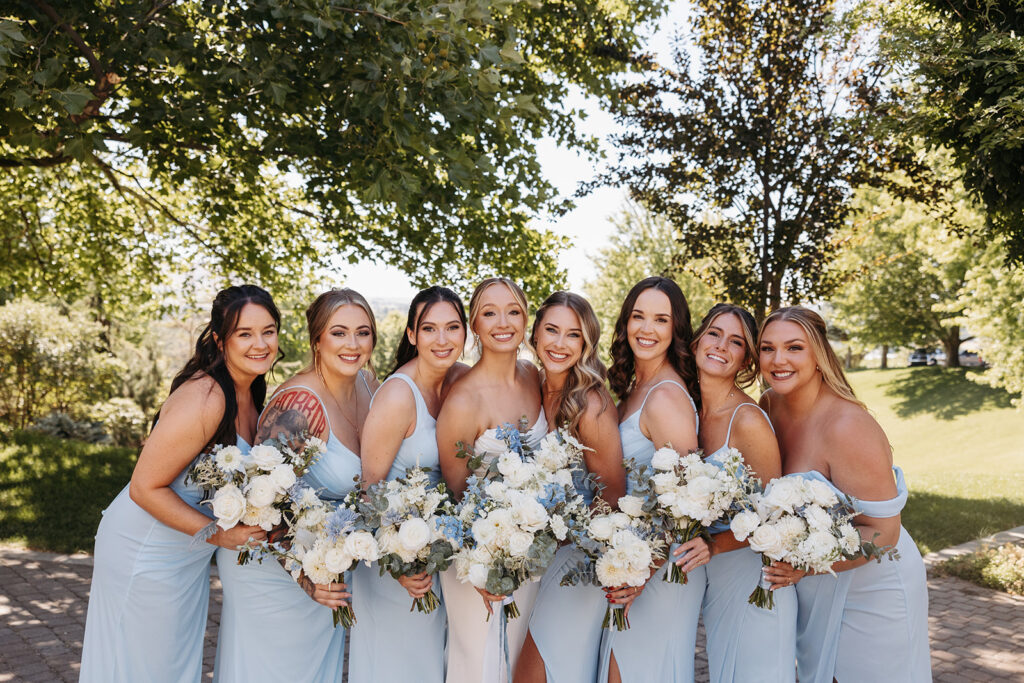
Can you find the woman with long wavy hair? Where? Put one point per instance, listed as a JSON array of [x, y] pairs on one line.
[[871, 619], [270, 630], [565, 630], [654, 376], [499, 389], [744, 642], [151, 578], [392, 643]]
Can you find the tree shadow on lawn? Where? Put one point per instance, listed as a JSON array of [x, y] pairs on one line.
[[53, 491], [946, 393], [937, 522]]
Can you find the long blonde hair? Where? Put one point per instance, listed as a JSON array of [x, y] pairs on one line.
[[814, 327], [474, 301], [588, 374], [319, 314]]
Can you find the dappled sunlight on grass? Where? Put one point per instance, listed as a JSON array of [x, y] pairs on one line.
[[945, 393]]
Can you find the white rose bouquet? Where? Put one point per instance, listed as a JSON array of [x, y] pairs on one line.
[[688, 494], [804, 522], [406, 515], [513, 518], [252, 488]]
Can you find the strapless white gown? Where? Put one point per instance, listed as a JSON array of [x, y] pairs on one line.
[[474, 644]]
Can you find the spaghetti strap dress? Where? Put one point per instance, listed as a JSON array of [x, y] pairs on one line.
[[150, 592], [870, 622], [474, 643], [566, 621], [270, 629], [746, 642], [390, 642], [662, 638]]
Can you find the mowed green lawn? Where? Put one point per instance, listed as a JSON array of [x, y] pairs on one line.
[[960, 443], [961, 446]]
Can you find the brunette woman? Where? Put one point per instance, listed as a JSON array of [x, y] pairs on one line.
[[151, 578]]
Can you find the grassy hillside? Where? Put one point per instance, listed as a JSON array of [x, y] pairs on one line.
[[961, 446]]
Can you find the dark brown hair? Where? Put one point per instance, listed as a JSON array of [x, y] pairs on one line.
[[428, 297]]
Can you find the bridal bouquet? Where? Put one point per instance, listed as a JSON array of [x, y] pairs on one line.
[[620, 549], [406, 514], [804, 522], [689, 495], [513, 518], [252, 488]]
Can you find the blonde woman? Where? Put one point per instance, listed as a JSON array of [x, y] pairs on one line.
[[499, 389], [872, 619], [270, 629], [565, 630]]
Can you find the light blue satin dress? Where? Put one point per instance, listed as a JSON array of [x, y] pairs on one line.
[[270, 629], [662, 638], [868, 623], [150, 591], [566, 622], [745, 642], [390, 642]]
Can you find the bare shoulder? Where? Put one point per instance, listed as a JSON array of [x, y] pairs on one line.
[[295, 410], [528, 371], [462, 396], [200, 393], [856, 444], [455, 373], [392, 396], [599, 402], [750, 420], [668, 396]]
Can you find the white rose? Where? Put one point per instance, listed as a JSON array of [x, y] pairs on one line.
[[337, 560], [413, 534], [260, 491], [519, 543], [228, 506], [477, 575], [664, 459], [785, 493], [664, 482], [230, 459], [766, 539], [508, 462], [430, 504], [485, 530], [820, 546], [817, 518], [558, 527], [387, 541], [265, 457], [620, 519], [496, 490], [850, 541], [312, 517], [744, 524], [283, 476], [520, 475], [361, 545], [601, 528], [821, 493], [530, 515], [632, 505]]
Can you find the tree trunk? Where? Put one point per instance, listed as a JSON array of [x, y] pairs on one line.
[[951, 345], [885, 356]]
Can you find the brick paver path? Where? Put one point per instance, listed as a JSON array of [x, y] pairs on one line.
[[977, 634]]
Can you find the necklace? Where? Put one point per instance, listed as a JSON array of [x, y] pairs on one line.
[[341, 410]]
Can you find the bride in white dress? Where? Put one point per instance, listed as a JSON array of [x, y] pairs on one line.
[[497, 390]]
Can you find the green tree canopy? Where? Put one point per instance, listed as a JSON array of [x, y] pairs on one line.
[[410, 127], [752, 147]]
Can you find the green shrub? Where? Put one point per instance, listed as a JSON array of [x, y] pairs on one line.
[[63, 426], [123, 420], [1000, 568]]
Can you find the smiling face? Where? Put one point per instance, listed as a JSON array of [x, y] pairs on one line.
[[251, 348], [500, 321], [649, 329], [786, 357], [722, 349], [346, 344], [559, 339], [440, 335]]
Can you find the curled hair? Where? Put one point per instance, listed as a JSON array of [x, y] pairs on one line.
[[319, 314], [517, 293], [427, 298], [814, 327], [208, 358], [622, 375], [588, 374], [747, 374]]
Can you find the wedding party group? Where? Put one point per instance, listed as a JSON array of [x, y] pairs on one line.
[[553, 519]]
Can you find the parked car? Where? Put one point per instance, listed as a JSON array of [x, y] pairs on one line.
[[937, 357], [918, 357], [971, 359]]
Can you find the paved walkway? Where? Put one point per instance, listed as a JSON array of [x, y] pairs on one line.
[[977, 634]]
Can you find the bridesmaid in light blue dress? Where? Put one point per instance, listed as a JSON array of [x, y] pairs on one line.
[[151, 578], [870, 622], [270, 629], [564, 641], [744, 642], [654, 374], [392, 643]]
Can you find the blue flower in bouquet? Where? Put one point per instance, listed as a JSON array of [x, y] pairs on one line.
[[451, 527], [552, 496], [339, 522], [391, 517], [510, 435]]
